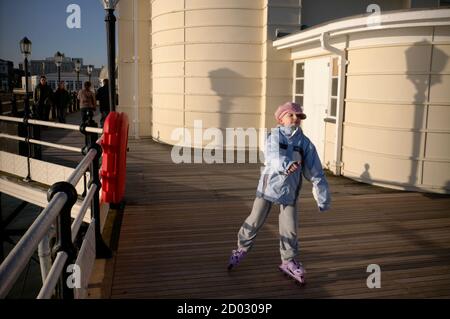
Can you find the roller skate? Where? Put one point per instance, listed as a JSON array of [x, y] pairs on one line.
[[295, 270], [236, 257]]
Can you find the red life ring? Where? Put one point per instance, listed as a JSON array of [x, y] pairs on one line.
[[114, 143]]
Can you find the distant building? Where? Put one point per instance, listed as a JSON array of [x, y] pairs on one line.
[[70, 80], [17, 78], [39, 67], [48, 66], [6, 75]]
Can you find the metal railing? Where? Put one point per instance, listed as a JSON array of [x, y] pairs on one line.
[[61, 196], [13, 110], [13, 103]]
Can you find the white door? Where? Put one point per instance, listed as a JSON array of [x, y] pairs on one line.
[[315, 101]]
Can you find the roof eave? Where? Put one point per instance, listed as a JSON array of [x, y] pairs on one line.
[[395, 19]]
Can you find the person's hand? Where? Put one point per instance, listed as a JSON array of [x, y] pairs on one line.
[[293, 168]]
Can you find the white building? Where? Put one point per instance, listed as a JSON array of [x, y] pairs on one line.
[[376, 95], [69, 78]]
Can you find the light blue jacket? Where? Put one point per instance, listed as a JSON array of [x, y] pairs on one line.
[[282, 150]]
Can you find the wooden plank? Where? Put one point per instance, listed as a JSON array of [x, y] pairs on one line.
[[181, 222]]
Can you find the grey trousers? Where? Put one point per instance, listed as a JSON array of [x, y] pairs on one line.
[[288, 221]]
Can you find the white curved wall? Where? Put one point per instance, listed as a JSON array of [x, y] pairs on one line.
[[206, 64], [397, 110], [396, 129]]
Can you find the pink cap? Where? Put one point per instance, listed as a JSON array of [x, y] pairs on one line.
[[289, 107]]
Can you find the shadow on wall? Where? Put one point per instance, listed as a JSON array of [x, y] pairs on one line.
[[223, 84], [421, 97]]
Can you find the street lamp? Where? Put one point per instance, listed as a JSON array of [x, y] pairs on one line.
[[77, 69], [89, 71], [58, 61], [25, 48], [110, 19]]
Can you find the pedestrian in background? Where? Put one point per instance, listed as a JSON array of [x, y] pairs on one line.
[[61, 101], [43, 99], [103, 99], [87, 102]]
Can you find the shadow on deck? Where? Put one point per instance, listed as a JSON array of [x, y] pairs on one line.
[[180, 224]]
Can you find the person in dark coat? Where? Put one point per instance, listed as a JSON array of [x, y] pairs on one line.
[[62, 100], [103, 97], [43, 99]]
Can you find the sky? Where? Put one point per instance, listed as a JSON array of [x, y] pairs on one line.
[[44, 22]]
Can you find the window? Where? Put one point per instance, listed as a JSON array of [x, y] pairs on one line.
[[334, 87], [299, 83]]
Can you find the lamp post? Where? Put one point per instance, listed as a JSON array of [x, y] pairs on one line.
[[89, 71], [58, 61], [25, 48], [110, 19], [77, 69]]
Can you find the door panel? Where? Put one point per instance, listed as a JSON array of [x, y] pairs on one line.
[[316, 99]]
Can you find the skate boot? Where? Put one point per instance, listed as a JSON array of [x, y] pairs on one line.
[[236, 257], [294, 270]]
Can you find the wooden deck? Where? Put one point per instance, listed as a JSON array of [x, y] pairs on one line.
[[181, 221]]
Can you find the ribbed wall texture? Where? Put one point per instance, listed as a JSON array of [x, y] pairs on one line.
[[397, 114], [206, 63]]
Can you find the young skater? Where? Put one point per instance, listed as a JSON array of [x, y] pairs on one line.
[[289, 155]]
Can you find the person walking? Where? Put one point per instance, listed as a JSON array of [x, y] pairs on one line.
[[62, 100], [43, 99], [87, 102], [103, 97]]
